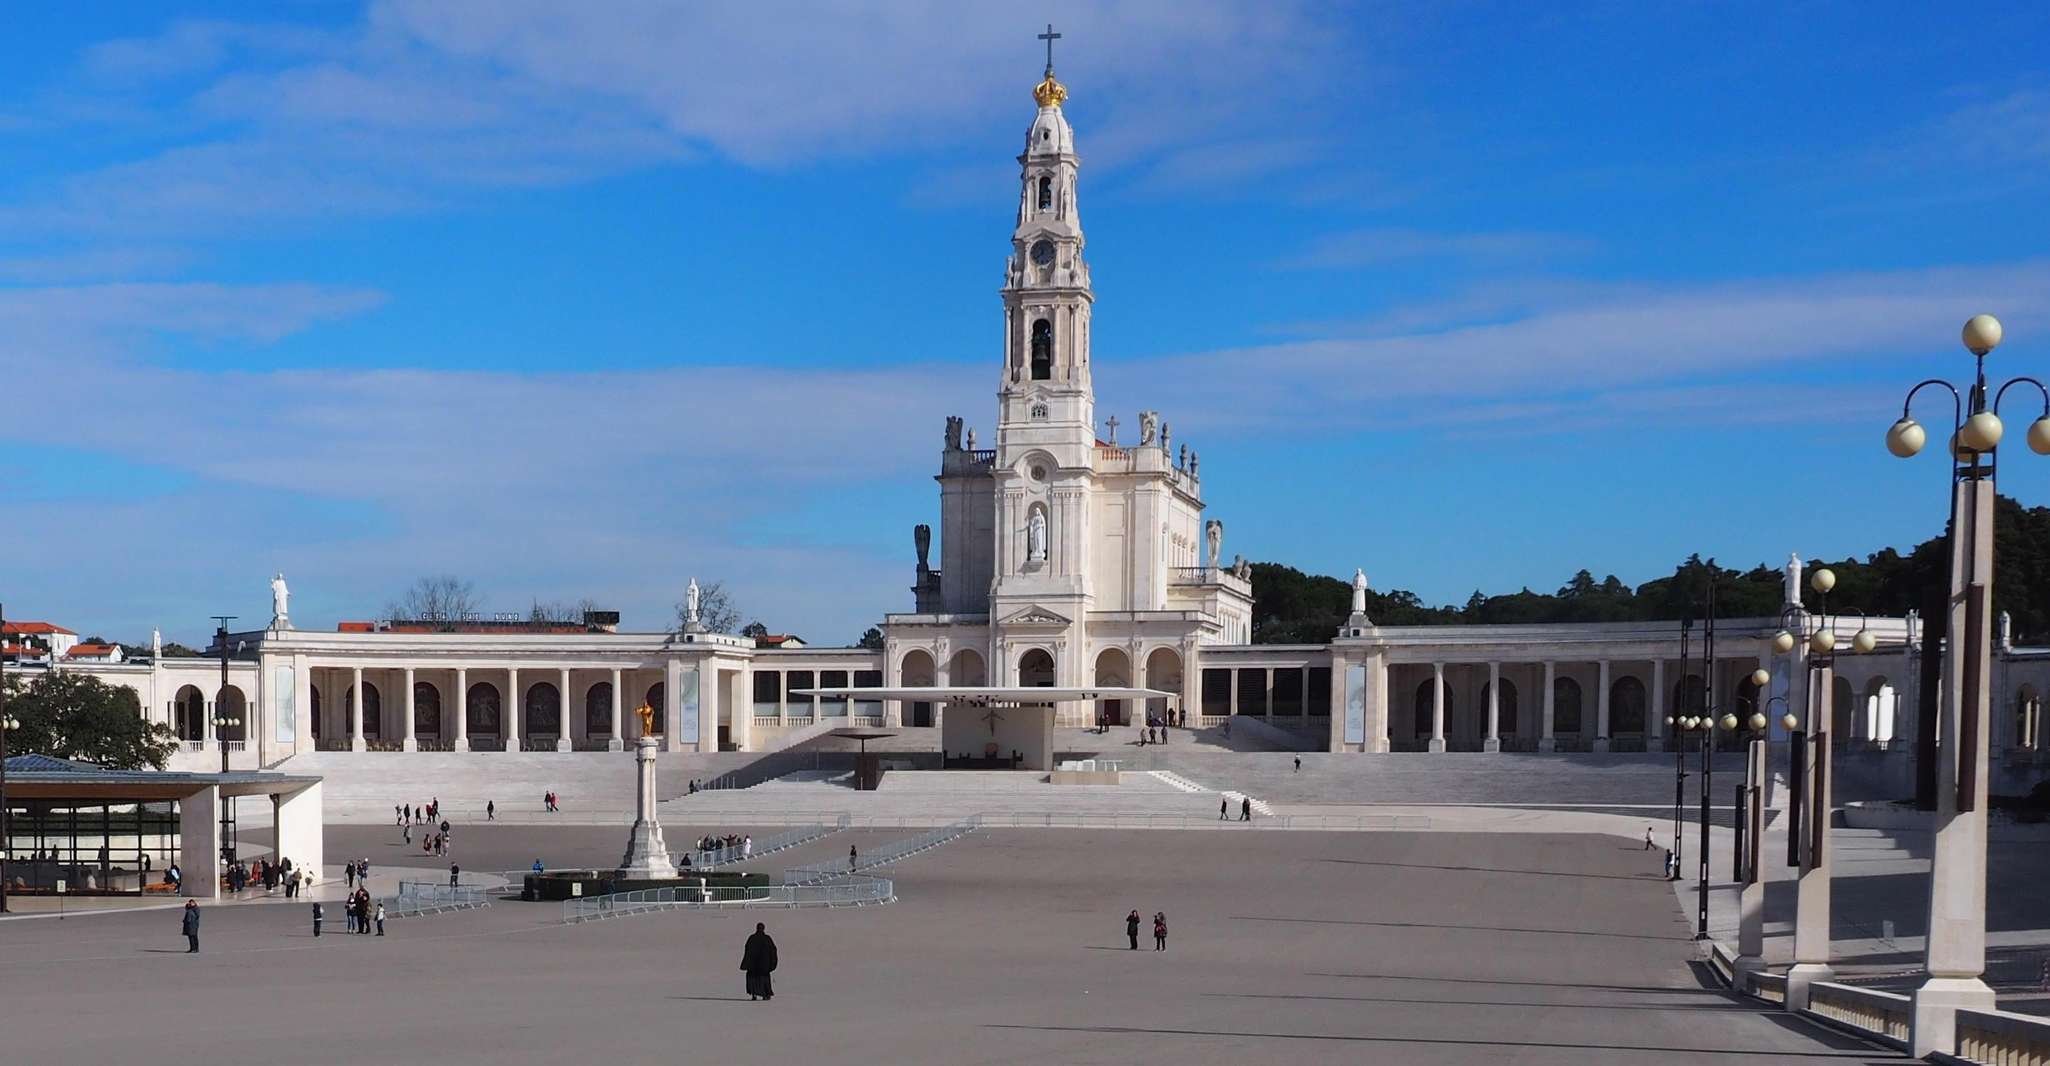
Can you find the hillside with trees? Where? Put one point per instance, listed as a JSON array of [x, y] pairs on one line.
[[1291, 607]]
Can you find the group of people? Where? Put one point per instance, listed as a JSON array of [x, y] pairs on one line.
[[548, 802], [241, 875], [358, 909], [714, 842], [1245, 809], [356, 871], [407, 814], [1159, 929]]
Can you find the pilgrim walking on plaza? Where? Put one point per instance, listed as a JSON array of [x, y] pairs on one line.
[[758, 960]]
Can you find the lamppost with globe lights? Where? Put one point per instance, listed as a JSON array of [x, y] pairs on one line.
[[1810, 755], [222, 720], [1955, 955], [1750, 835]]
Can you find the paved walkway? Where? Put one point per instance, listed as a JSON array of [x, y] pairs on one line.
[[1004, 947]]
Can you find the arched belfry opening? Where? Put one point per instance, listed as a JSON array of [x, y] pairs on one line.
[[1046, 194], [1042, 350]]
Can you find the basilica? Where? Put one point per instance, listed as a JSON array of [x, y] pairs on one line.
[[1067, 558]]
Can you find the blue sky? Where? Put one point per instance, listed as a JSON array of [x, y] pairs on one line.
[[1469, 295]]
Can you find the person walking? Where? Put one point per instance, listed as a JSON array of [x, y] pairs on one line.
[[454, 873], [1245, 808], [380, 918], [349, 873], [319, 916], [758, 961], [853, 857], [747, 847], [1160, 930], [349, 913], [1298, 764], [1647, 838], [189, 923], [490, 811], [1132, 928]]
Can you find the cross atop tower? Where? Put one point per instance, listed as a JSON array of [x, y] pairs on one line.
[[1049, 37]]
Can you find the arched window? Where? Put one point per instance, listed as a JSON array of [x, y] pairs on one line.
[[1626, 706], [543, 717], [1042, 350], [598, 710], [1045, 194], [1565, 706]]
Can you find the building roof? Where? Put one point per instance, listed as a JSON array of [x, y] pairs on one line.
[[82, 651], [34, 628], [777, 640]]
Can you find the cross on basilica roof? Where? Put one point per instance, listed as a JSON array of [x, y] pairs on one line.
[[1049, 37]]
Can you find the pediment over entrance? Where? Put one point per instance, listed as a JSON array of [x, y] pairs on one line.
[[1037, 616]]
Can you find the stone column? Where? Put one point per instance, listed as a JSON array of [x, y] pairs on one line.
[[613, 743], [462, 709], [356, 709], [1811, 889], [562, 718], [1546, 741], [509, 718], [412, 742], [1656, 725], [1955, 958], [1437, 706], [1601, 714], [1494, 740]]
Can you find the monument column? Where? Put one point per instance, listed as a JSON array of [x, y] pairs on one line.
[[1545, 740], [562, 718], [356, 709], [1601, 714], [1657, 724], [1494, 741], [510, 721], [612, 742], [462, 709], [1437, 706], [412, 743]]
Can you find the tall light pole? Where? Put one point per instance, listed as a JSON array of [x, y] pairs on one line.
[[1955, 958], [222, 720], [1679, 752]]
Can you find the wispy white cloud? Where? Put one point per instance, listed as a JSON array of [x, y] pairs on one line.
[[1375, 247]]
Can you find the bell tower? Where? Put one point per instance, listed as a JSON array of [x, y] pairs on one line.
[[1045, 395]]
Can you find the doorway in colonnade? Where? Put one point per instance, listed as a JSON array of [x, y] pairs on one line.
[[1626, 714], [1505, 716], [372, 725], [426, 712], [1036, 669], [484, 713], [1163, 674], [657, 698], [542, 714], [1113, 670], [319, 729], [598, 712], [916, 671], [1567, 720], [1421, 712]]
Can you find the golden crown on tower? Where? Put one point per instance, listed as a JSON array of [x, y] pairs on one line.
[[1049, 93]]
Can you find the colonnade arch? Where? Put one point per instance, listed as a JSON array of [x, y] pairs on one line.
[[1113, 670]]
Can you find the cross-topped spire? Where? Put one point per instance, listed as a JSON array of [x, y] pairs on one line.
[[1049, 37]]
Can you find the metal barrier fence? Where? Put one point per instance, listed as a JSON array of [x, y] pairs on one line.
[[884, 855], [805, 834], [842, 892], [428, 897]]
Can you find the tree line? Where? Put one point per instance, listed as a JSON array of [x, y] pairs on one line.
[[1291, 607]]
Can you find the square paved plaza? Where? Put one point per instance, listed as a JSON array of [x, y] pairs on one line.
[[1007, 946]]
